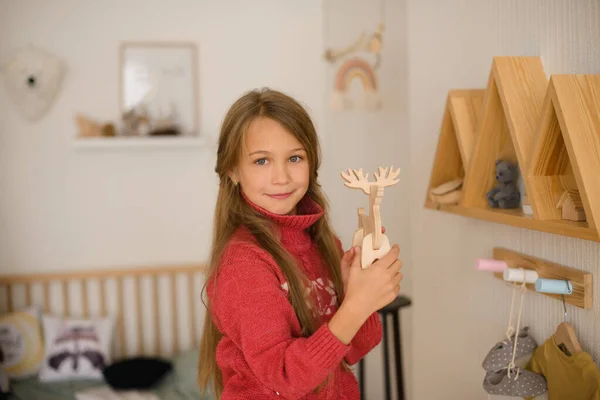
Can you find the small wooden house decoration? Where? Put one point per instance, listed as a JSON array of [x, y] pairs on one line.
[[572, 206]]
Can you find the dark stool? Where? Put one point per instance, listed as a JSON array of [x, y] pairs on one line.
[[394, 309]]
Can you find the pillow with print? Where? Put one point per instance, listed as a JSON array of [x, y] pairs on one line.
[[21, 343], [75, 348]]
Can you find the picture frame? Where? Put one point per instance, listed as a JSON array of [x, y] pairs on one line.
[[159, 88]]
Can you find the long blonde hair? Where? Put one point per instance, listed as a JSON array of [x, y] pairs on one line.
[[232, 212]]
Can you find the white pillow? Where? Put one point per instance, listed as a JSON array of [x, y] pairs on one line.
[[21, 343], [76, 348]]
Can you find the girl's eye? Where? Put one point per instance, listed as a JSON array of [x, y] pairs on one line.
[[295, 158], [260, 161]]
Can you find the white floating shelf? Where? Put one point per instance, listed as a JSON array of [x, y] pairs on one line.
[[138, 142]]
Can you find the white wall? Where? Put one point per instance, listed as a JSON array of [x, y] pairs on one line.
[[65, 208], [458, 313]]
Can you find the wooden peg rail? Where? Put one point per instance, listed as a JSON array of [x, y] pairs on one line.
[[581, 281]]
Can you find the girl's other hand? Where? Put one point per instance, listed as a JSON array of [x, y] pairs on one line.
[[369, 290]]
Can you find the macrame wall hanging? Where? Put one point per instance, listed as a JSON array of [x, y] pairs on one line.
[[33, 78], [359, 61]]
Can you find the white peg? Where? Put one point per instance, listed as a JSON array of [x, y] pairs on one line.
[[519, 275]]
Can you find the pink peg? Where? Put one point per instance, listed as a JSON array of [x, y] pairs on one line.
[[482, 264]]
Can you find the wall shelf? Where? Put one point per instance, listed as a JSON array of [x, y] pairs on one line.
[[548, 127], [519, 219], [138, 142]]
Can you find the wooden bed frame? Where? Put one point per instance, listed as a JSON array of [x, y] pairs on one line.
[[135, 297]]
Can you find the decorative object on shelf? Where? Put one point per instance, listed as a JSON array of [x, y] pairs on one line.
[[33, 78], [571, 206], [369, 236], [447, 193], [159, 94], [135, 122], [359, 61], [90, 128], [506, 193], [526, 205]]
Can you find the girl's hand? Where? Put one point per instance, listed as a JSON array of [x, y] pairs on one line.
[[369, 290], [347, 261]]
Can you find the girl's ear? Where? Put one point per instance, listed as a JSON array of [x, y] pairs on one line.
[[233, 175]]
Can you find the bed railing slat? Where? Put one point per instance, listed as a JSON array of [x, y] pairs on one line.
[[175, 324], [84, 299], [155, 306], [28, 294], [65, 293], [121, 302], [139, 315], [47, 297], [102, 299], [9, 297]]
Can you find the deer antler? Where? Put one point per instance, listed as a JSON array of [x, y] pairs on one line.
[[384, 179], [357, 180]]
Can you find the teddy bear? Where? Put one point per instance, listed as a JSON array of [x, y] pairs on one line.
[[506, 193]]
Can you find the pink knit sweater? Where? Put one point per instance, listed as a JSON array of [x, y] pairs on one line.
[[262, 354]]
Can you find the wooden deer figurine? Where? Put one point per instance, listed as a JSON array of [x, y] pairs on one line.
[[373, 243]]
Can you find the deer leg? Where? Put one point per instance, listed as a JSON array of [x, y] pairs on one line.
[[361, 217], [360, 232], [377, 234], [375, 201]]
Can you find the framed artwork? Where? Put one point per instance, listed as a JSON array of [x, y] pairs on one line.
[[159, 88]]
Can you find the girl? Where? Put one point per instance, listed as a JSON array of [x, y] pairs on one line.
[[287, 312]]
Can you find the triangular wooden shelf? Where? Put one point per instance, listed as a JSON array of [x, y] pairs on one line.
[[457, 135], [566, 154], [465, 106], [550, 130], [513, 101]]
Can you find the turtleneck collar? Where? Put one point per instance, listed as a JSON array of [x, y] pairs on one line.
[[293, 228]]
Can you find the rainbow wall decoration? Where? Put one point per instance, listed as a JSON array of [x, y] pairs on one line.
[[355, 68]]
